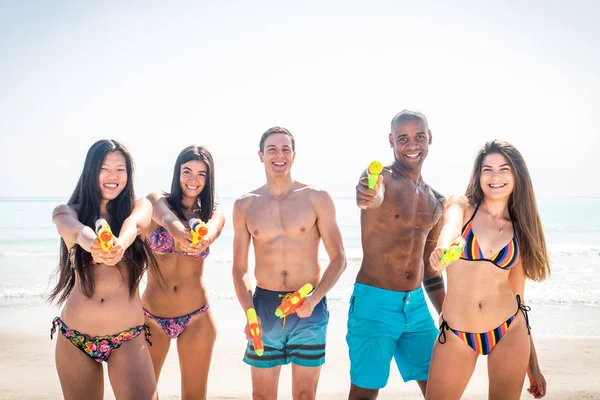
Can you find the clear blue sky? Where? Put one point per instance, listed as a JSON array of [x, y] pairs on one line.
[[159, 76]]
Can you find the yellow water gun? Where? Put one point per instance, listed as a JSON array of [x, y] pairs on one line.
[[290, 303], [255, 332], [198, 230], [105, 235], [373, 171]]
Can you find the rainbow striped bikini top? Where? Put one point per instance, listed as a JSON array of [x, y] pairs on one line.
[[504, 259]]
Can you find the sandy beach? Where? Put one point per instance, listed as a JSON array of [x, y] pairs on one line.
[[571, 365]]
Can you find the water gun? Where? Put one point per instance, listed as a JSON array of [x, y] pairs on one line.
[[291, 302], [198, 230], [255, 331], [104, 233], [373, 171], [453, 252]]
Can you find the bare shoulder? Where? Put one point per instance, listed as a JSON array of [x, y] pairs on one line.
[[318, 197], [244, 202], [143, 202], [459, 200]]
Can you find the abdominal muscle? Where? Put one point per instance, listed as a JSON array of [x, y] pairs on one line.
[[182, 290], [286, 264], [479, 297], [110, 310]]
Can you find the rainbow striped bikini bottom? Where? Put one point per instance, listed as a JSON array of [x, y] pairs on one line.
[[484, 343]]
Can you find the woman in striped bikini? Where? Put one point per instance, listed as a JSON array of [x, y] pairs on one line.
[[178, 308], [484, 310]]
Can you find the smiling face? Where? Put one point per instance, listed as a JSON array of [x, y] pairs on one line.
[[278, 155], [192, 178], [113, 175], [497, 179], [410, 140]]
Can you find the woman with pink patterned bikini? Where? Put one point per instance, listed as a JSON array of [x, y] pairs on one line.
[[179, 308]]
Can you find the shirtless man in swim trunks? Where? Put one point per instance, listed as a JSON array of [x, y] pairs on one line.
[[286, 220], [388, 316]]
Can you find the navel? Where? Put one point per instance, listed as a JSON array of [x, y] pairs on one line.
[[397, 216], [175, 288], [101, 300], [408, 275]]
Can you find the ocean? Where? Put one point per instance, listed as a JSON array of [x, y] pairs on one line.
[[567, 304]]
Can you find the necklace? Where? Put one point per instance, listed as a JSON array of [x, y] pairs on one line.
[[416, 186], [500, 230]]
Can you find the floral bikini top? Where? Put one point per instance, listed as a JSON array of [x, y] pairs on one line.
[[161, 241], [505, 258]]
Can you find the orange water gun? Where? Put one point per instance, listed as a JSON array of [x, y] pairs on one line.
[[373, 171], [105, 235], [290, 303], [255, 331], [453, 252], [198, 230]]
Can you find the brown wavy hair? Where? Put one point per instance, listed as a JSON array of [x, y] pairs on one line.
[[522, 206]]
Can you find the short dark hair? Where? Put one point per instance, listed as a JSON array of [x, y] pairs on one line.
[[409, 115], [272, 131]]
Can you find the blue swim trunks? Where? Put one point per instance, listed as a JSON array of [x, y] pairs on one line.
[[383, 324], [301, 341]]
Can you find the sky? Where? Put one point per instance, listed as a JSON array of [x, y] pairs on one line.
[[159, 76]]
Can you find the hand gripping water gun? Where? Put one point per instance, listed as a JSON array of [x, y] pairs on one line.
[[255, 331], [104, 233], [373, 171], [453, 252], [291, 302], [198, 230]]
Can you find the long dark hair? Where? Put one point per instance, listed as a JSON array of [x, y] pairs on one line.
[[521, 205], [87, 197], [205, 202]]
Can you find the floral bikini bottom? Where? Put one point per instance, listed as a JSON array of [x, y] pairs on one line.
[[98, 348]]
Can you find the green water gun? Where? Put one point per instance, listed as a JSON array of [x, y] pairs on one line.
[[373, 171], [453, 252]]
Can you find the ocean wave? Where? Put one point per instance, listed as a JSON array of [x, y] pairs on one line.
[[29, 254]]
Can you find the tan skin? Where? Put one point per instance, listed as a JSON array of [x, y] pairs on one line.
[[111, 309], [481, 296], [183, 289], [285, 220], [398, 225]]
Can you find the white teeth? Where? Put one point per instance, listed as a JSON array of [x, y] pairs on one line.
[[497, 185], [110, 185], [279, 164], [415, 155], [192, 187]]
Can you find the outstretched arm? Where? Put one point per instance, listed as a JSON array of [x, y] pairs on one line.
[[452, 219], [332, 240], [71, 229], [537, 382], [433, 282]]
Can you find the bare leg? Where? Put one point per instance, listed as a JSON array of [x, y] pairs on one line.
[[304, 382], [195, 346], [80, 376], [507, 363], [160, 346], [452, 365], [265, 382], [358, 393], [130, 371], [422, 386]]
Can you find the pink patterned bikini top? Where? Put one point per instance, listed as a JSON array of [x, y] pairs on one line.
[[161, 241]]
